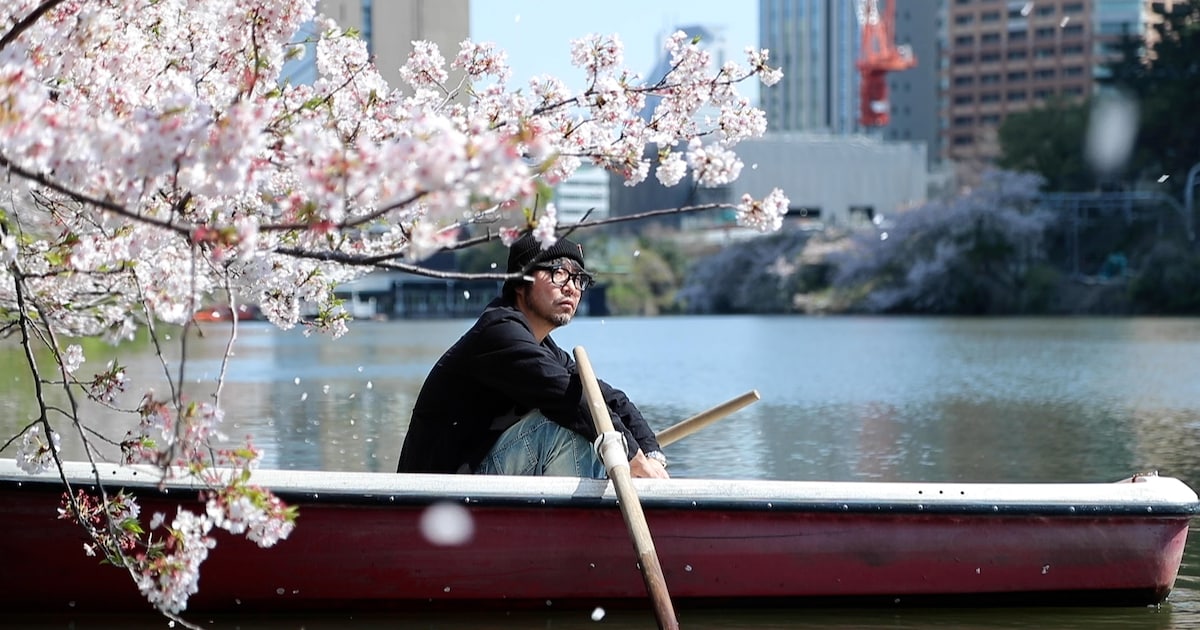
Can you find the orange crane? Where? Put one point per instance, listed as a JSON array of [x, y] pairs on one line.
[[878, 55]]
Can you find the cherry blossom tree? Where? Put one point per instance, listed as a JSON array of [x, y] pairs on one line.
[[153, 160]]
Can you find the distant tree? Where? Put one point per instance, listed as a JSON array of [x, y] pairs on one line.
[[980, 253], [1168, 283], [1048, 141], [1165, 80], [761, 275]]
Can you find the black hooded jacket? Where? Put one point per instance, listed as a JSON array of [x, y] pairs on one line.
[[487, 380]]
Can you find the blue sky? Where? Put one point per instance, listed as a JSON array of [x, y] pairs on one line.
[[536, 34]]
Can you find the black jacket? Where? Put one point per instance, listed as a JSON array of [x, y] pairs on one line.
[[498, 370]]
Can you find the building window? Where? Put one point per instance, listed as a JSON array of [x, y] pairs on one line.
[[989, 57], [1016, 96], [989, 78], [989, 97], [1018, 36], [989, 16], [1016, 55], [964, 99], [368, 28], [990, 119], [1073, 30], [964, 40], [1073, 49], [1044, 73], [964, 121], [1019, 75], [1074, 90], [964, 81], [964, 60], [990, 38], [961, 140], [1043, 93], [1073, 7], [1045, 10], [963, 19], [1073, 71]]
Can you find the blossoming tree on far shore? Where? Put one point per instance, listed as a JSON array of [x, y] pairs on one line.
[[153, 159]]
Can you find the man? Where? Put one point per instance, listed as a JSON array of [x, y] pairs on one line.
[[505, 399]]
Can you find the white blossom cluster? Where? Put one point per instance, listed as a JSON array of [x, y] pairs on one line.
[[153, 158], [36, 452], [169, 581]]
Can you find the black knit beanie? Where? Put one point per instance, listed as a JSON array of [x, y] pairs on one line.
[[527, 252]]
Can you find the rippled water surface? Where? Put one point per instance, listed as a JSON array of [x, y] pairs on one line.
[[842, 399]]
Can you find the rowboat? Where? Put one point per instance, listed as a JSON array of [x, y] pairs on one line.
[[363, 540]]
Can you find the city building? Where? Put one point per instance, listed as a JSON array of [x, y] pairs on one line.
[[914, 92], [1008, 57], [389, 28], [816, 43], [585, 193]]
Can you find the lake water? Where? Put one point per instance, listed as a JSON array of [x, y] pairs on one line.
[[843, 398]]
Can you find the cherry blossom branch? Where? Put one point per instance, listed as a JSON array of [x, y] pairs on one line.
[[27, 21]]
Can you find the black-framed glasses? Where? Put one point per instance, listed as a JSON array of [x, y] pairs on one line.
[[560, 276]]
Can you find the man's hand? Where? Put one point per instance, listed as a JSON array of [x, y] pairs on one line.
[[642, 466]]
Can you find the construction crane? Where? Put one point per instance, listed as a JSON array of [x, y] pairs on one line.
[[878, 55]]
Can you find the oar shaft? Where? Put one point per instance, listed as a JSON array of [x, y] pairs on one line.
[[631, 506], [689, 426]]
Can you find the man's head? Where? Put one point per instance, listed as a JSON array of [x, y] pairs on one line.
[[558, 280], [527, 253]]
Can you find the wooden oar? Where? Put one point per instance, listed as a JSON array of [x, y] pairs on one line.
[[612, 453], [677, 432]]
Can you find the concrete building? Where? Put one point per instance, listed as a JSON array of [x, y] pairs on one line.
[[830, 179], [585, 192], [389, 28], [914, 92], [836, 180], [1007, 57]]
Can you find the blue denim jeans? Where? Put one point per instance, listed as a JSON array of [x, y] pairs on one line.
[[535, 445]]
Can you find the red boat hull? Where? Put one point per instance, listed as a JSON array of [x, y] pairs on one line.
[[365, 551]]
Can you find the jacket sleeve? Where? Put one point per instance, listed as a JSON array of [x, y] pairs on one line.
[[636, 427]]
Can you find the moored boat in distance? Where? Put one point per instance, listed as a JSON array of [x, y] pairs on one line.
[[535, 541]]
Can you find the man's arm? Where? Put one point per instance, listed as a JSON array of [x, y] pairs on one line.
[[636, 427]]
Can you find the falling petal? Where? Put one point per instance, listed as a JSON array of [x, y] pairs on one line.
[[597, 614], [447, 524], [1112, 128]]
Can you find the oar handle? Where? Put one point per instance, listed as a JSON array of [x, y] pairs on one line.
[[627, 498], [677, 432]]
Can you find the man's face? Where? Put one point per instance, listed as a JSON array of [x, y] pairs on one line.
[[549, 302]]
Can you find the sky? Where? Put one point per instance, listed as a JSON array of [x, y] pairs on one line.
[[536, 34]]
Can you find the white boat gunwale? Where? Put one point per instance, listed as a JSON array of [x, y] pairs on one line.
[[1144, 496]]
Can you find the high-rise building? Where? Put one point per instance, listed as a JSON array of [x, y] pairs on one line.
[[914, 92], [815, 43], [389, 28], [1007, 57]]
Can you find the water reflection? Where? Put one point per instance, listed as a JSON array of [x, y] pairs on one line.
[[842, 399]]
